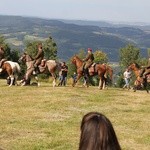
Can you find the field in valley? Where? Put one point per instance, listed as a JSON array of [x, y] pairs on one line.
[[47, 118]]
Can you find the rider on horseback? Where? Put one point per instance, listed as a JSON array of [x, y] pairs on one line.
[[38, 58], [145, 70], [88, 61]]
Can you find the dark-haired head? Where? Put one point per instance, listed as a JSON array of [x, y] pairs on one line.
[[97, 133]]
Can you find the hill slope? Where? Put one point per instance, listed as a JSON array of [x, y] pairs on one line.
[[71, 37]]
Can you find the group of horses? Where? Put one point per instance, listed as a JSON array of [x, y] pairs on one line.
[[13, 70], [53, 67]]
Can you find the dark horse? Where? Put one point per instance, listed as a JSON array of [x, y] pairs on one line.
[[139, 82], [46, 66], [99, 70]]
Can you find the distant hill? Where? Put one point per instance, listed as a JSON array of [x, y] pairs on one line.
[[71, 36]]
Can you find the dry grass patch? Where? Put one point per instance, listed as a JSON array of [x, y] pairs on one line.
[[46, 118]]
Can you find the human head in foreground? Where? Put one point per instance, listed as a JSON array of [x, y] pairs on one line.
[[97, 133]]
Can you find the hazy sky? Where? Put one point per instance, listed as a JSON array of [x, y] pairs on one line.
[[106, 10]]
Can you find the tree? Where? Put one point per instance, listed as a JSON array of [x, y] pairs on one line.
[[100, 57], [50, 48], [15, 55], [31, 48], [81, 53], [128, 55]]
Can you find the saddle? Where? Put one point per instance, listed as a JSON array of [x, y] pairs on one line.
[[42, 66], [43, 63]]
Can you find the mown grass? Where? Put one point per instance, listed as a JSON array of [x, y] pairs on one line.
[[46, 118]]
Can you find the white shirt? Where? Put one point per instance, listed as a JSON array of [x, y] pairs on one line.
[[127, 74]]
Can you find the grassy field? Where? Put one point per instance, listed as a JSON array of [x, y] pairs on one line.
[[46, 118]]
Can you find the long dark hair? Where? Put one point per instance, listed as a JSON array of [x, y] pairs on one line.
[[97, 133]]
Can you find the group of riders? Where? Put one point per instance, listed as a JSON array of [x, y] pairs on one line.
[[88, 61]]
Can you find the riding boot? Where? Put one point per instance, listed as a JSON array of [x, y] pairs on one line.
[[142, 72], [87, 72]]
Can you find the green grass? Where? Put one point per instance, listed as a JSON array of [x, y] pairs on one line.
[[47, 118]]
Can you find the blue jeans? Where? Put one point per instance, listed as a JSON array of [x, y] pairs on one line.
[[127, 80], [63, 80]]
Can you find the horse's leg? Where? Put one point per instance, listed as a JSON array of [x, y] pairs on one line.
[[145, 85], [37, 80], [85, 82], [11, 80], [104, 84], [54, 79], [101, 82], [134, 88], [27, 77], [16, 78], [78, 77]]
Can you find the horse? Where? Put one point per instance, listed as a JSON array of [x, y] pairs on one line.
[[12, 69], [139, 82], [98, 69], [46, 66]]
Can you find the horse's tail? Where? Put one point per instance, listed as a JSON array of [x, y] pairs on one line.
[[18, 69], [110, 72]]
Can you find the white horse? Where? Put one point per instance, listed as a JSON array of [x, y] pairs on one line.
[[12, 69]]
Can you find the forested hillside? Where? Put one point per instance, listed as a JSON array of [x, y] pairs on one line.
[[73, 36]]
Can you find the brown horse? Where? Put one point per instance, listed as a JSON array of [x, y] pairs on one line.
[[47, 66], [139, 82], [12, 69], [98, 69]]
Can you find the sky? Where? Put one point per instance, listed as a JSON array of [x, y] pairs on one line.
[[98, 10]]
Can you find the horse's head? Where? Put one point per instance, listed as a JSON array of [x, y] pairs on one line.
[[134, 66], [25, 58], [73, 60]]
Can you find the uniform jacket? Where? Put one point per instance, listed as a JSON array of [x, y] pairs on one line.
[[89, 58], [39, 56]]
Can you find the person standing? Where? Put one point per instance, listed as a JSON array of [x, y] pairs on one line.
[[127, 76], [64, 72]]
